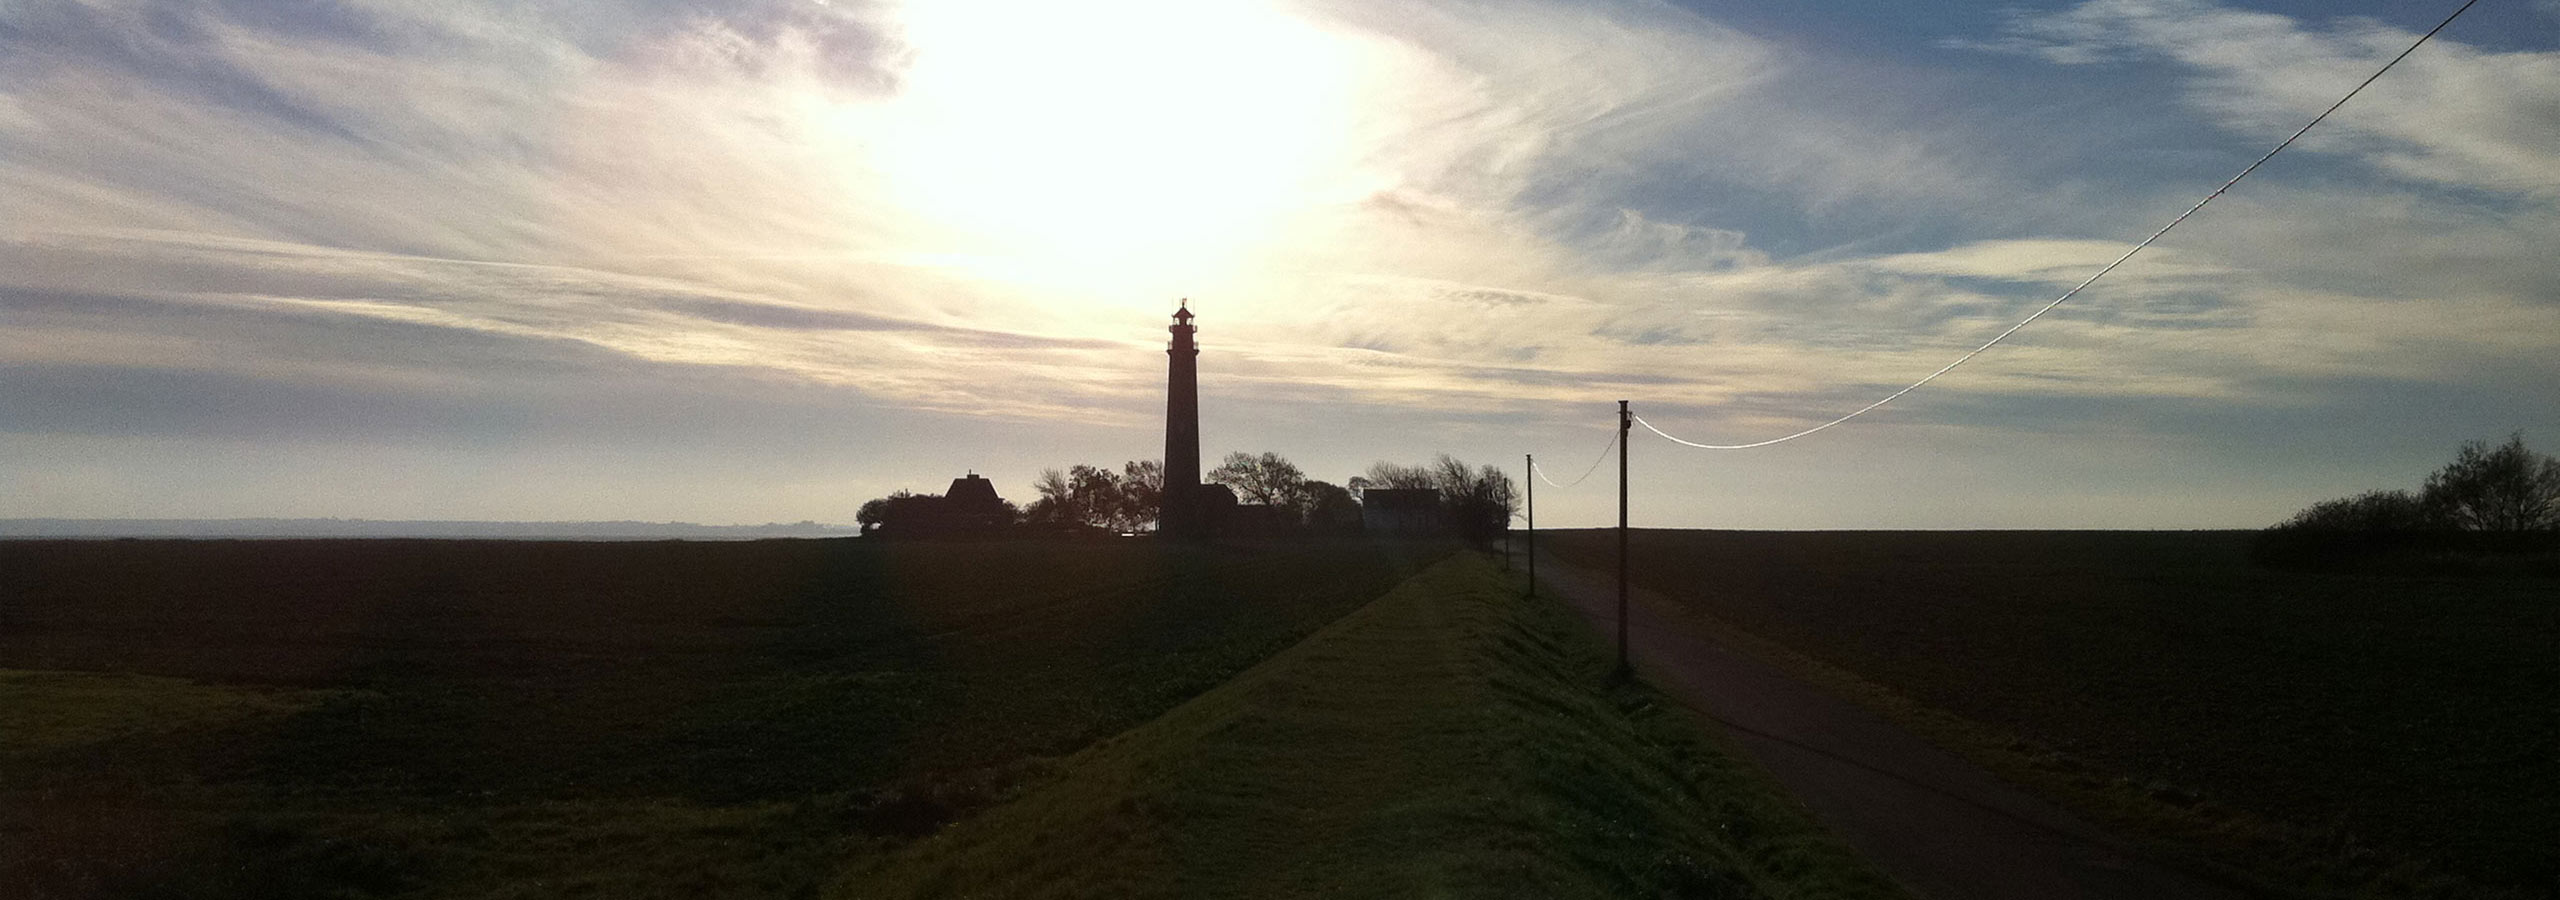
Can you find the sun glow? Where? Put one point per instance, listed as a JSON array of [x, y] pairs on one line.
[[1118, 133]]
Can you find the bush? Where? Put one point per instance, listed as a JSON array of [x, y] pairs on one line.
[[2490, 500], [2372, 512]]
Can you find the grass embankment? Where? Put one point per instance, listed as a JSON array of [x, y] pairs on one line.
[[1449, 739], [489, 718], [2319, 734]]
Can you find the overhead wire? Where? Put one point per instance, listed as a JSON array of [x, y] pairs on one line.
[[1541, 471], [2102, 272]]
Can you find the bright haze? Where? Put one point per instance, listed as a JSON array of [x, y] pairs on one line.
[[759, 261]]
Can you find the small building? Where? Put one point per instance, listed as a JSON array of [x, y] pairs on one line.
[[971, 505], [1402, 511]]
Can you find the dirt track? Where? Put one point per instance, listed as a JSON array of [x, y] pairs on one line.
[[1941, 826]]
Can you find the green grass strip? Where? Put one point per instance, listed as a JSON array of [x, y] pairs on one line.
[[1449, 739], [44, 712]]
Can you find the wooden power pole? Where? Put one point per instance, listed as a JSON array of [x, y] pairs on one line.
[[1626, 422]]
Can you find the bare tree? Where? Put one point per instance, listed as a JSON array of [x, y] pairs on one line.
[[2505, 489], [1480, 500], [2496, 499], [1052, 506], [1393, 477], [1267, 479]]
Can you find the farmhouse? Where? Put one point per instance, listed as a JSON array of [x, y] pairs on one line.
[[971, 505]]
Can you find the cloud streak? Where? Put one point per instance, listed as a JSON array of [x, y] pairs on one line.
[[1460, 213], [2453, 115]]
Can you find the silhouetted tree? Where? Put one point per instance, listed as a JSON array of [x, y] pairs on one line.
[[2500, 499], [1331, 509], [1480, 501], [1131, 499], [1477, 502], [1051, 505], [1096, 494], [1141, 494], [1081, 495], [905, 514], [1266, 479], [1391, 476], [875, 512], [2506, 489]]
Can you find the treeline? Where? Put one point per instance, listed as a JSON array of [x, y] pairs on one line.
[[2502, 499], [1122, 502], [1268, 493], [1479, 502]]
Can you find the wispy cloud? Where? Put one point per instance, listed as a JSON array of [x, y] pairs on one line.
[[2454, 115], [1470, 211]]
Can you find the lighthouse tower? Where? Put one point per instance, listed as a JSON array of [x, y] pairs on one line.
[[1182, 514]]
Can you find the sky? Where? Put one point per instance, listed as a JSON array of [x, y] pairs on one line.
[[761, 260]]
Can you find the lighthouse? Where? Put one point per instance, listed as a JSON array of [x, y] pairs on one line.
[[1181, 517]]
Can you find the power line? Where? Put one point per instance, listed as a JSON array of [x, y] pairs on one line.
[[1586, 473], [2102, 273]]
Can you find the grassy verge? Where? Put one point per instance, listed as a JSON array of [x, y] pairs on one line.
[[1449, 739], [2303, 734]]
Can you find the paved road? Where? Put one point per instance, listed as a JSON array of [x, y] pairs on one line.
[[1944, 828]]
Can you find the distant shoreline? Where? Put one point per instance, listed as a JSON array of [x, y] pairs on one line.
[[110, 529]]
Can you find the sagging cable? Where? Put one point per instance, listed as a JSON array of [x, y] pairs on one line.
[[1541, 471]]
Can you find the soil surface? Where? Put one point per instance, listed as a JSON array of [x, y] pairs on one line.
[[1938, 824]]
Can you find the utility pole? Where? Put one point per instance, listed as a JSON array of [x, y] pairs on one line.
[[1626, 423], [1532, 482]]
